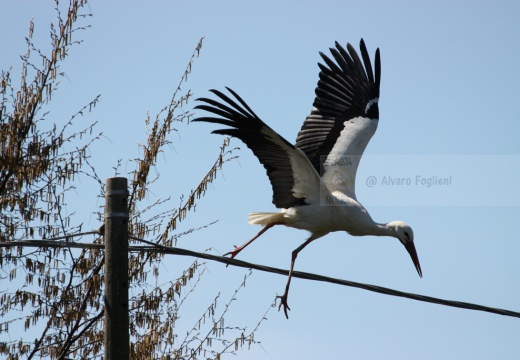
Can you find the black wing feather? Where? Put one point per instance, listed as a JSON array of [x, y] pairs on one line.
[[247, 126], [345, 88]]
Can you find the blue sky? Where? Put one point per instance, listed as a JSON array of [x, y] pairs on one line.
[[447, 108]]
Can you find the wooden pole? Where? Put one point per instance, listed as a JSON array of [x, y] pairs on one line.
[[117, 338]]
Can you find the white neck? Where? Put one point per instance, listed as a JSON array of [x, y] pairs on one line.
[[384, 230]]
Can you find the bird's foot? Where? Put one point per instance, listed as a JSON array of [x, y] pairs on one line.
[[283, 301], [233, 253]]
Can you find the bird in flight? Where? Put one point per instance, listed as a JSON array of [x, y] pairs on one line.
[[313, 180]]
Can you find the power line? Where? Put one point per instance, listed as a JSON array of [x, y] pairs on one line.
[[152, 247]]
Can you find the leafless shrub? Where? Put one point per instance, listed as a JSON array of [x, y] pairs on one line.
[[56, 296]]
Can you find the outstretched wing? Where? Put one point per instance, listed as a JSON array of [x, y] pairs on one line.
[[293, 178], [344, 118]]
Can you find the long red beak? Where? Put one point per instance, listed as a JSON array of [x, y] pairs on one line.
[[410, 247]]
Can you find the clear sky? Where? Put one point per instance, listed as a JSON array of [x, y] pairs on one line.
[[448, 109]]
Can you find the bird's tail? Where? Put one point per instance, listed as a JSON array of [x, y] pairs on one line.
[[264, 218]]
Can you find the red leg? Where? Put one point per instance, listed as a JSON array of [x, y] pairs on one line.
[[242, 247], [283, 298]]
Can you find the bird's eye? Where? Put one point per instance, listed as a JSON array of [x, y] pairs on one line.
[[407, 236]]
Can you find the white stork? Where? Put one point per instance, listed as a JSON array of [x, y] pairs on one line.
[[314, 181]]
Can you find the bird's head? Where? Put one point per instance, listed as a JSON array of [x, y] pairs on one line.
[[405, 235]]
